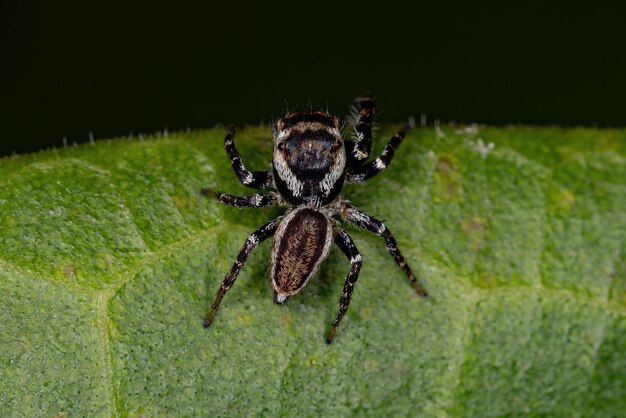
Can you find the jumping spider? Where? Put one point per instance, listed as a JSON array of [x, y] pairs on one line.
[[310, 163]]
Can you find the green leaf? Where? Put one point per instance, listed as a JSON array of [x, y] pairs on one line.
[[110, 258]]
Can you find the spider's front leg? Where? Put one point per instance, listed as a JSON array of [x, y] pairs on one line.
[[374, 225], [253, 240], [374, 167], [344, 242], [253, 179], [253, 201], [363, 111]]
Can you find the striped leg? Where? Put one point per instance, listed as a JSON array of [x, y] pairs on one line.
[[344, 242], [253, 240], [253, 201], [253, 179], [363, 111], [372, 168], [372, 224]]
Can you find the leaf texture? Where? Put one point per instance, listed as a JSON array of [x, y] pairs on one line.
[[110, 258]]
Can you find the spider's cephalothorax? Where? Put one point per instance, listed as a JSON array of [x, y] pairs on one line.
[[311, 161], [309, 158]]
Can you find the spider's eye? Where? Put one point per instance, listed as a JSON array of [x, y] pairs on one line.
[[338, 144], [281, 146]]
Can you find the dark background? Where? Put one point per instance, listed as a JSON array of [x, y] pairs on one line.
[[78, 67]]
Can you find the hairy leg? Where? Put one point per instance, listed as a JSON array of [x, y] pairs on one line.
[[253, 179], [253, 201], [374, 167], [253, 240], [344, 242], [363, 111], [374, 225]]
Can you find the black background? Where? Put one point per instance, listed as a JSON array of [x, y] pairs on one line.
[[71, 68]]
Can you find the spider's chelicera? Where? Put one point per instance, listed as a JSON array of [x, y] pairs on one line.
[[311, 162]]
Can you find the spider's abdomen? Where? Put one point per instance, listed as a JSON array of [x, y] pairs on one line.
[[301, 243]]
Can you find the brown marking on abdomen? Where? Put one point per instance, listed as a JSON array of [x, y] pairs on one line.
[[301, 243]]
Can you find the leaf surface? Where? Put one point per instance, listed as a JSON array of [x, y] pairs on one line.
[[110, 258]]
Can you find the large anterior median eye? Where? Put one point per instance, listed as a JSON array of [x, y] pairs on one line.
[[281, 146]]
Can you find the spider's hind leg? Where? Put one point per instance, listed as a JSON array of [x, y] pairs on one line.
[[344, 242], [252, 241]]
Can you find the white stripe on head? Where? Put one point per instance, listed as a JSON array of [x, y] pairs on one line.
[[335, 172], [285, 173]]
